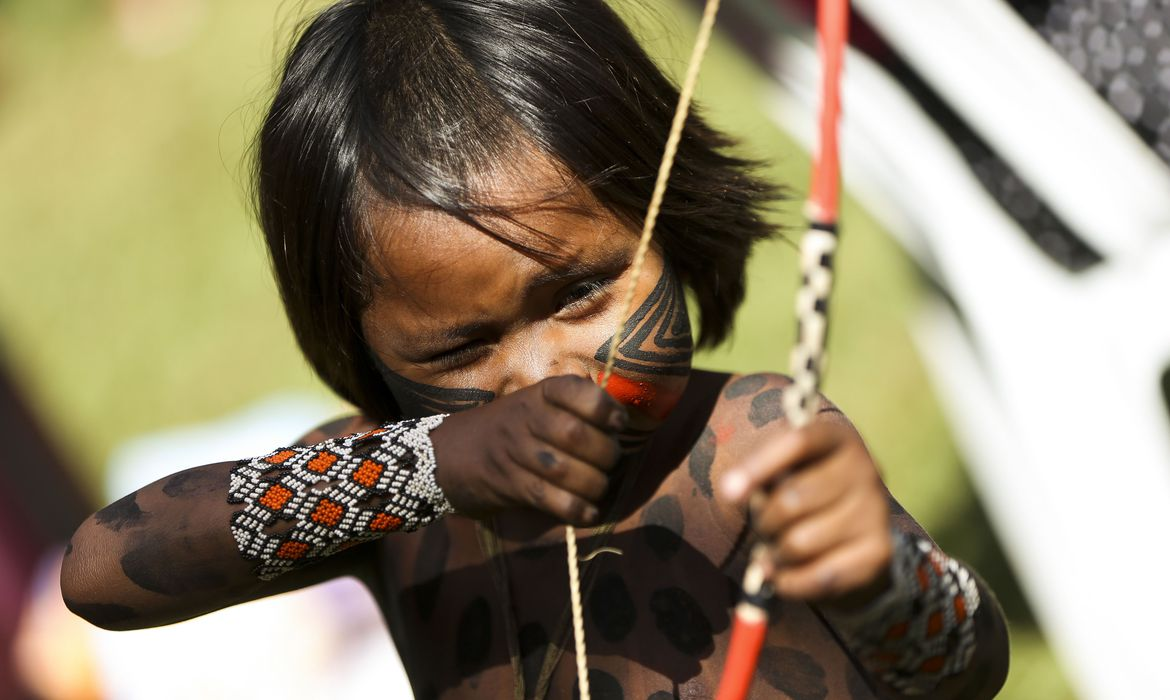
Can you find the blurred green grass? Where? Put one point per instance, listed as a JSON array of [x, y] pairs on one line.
[[136, 293]]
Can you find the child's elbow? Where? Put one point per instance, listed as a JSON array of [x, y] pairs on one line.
[[86, 587]]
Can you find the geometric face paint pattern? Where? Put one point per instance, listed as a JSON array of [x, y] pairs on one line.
[[658, 334]]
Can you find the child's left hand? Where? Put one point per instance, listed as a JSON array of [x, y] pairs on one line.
[[822, 510]]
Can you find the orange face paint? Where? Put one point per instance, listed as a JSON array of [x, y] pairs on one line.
[[655, 401]]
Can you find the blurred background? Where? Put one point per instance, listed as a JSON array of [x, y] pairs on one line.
[[138, 317]]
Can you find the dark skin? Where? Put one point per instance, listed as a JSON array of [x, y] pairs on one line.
[[513, 346]]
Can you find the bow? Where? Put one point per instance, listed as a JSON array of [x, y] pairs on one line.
[[817, 248]]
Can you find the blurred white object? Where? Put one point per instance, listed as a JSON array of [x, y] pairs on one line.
[[325, 641], [1050, 378]]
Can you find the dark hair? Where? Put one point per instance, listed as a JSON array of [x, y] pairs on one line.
[[408, 101]]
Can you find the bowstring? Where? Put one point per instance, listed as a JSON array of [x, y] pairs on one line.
[[686, 94]]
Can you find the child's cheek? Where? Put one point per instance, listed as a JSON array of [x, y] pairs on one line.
[[649, 402]]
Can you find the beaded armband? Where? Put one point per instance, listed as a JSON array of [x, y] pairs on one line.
[[338, 493], [921, 630]]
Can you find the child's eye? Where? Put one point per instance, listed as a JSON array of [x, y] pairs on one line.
[[579, 295], [457, 357]]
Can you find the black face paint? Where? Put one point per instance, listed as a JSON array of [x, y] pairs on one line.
[[473, 639], [662, 695], [766, 407], [194, 481], [744, 386], [701, 458], [679, 617], [102, 614], [601, 686], [662, 527], [417, 400], [793, 673], [611, 608], [122, 513], [657, 338]]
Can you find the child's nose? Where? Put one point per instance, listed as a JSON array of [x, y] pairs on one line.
[[548, 355]]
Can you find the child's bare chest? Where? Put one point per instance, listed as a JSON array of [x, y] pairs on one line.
[[477, 616]]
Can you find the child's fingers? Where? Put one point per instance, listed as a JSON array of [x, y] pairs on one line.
[[567, 472], [586, 400], [557, 502], [816, 535], [567, 432], [800, 495], [841, 571], [778, 456]]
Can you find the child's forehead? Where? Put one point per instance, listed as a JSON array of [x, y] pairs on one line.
[[543, 209], [415, 251]]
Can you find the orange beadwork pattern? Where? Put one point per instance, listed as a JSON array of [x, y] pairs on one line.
[[368, 473], [921, 631], [934, 624], [960, 609], [384, 522], [327, 513], [281, 457], [275, 497], [335, 494], [292, 550], [321, 463]]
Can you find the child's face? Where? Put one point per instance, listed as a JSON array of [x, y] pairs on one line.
[[461, 318]]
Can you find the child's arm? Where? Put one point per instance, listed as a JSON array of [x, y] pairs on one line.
[[917, 620], [172, 550]]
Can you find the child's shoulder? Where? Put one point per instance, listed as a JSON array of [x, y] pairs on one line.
[[740, 412]]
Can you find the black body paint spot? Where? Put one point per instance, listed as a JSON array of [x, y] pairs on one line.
[[681, 620], [658, 334], [895, 507], [662, 695], [601, 686], [429, 567], [611, 608], [194, 481], [533, 646], [701, 458], [547, 459], [149, 567], [122, 513], [473, 639], [793, 672], [766, 407], [417, 400], [102, 614], [69, 548], [662, 526], [744, 386]]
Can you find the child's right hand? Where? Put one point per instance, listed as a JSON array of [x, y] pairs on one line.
[[549, 446]]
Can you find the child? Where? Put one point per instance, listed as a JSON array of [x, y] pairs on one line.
[[450, 192]]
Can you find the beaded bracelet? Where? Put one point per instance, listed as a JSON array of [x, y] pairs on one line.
[[339, 493], [922, 629]]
